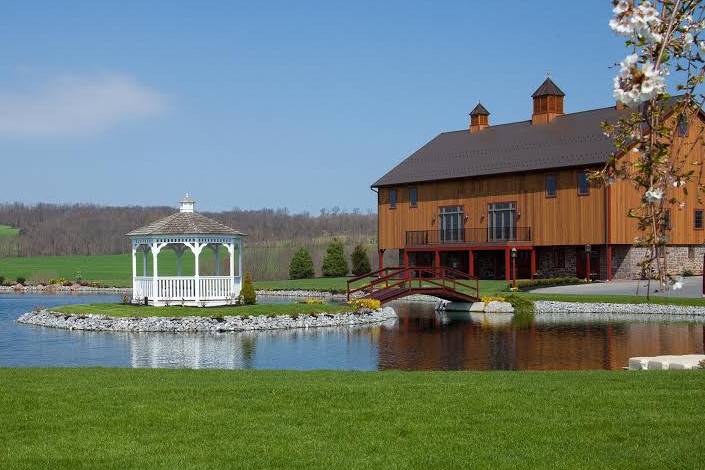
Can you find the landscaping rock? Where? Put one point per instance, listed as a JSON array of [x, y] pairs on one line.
[[477, 307], [202, 324], [543, 306], [499, 307]]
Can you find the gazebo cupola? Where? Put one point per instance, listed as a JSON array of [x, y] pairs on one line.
[[187, 230]]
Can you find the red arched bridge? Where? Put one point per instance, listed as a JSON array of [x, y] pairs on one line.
[[394, 283]]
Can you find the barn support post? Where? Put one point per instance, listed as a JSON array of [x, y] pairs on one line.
[[471, 263], [381, 258], [609, 262], [507, 264], [533, 263]]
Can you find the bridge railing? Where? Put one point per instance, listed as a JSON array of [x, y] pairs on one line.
[[417, 277]]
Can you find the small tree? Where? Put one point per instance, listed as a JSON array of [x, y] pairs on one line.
[[334, 263], [301, 266], [248, 296], [360, 261]]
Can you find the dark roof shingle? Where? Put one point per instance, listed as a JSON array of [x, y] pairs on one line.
[[548, 88], [479, 110], [569, 140], [190, 223]]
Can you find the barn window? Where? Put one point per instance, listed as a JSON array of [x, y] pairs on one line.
[[413, 196], [683, 125], [392, 198], [698, 222], [583, 183], [551, 185]]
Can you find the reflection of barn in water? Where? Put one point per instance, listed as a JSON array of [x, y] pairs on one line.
[[425, 342]]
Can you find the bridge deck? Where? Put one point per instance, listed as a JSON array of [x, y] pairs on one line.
[[394, 283]]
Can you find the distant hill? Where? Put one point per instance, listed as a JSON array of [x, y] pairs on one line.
[[83, 229]]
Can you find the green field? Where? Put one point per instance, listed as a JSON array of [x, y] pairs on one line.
[[7, 231], [115, 270], [118, 418], [120, 310]]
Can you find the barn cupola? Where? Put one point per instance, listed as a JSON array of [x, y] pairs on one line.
[[548, 102], [479, 118]]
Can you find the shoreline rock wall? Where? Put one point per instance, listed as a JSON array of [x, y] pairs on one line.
[[203, 324]]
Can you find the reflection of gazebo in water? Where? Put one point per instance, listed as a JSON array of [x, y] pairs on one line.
[[186, 229]]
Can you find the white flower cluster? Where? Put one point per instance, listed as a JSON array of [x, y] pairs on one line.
[[641, 21], [635, 85], [653, 195]]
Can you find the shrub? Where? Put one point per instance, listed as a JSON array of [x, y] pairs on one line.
[[360, 261], [2, 280], [301, 266], [312, 301], [247, 294], [334, 263], [525, 284], [687, 272], [21, 280], [359, 305]]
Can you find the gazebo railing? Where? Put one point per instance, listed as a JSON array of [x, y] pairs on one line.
[[184, 287], [216, 286], [143, 287]]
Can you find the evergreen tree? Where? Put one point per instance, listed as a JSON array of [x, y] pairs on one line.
[[360, 261], [301, 266], [334, 263], [247, 294]]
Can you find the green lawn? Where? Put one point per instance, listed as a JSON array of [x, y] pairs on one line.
[[118, 418], [120, 310], [8, 231], [116, 270]]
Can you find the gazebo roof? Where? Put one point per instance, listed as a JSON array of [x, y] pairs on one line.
[[185, 222]]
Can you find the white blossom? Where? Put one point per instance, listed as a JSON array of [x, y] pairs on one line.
[[653, 195], [641, 21], [678, 283], [634, 85]]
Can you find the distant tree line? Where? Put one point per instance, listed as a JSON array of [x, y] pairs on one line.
[[87, 229]]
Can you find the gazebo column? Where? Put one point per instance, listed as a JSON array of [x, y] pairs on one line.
[[239, 260], [155, 273], [134, 270], [196, 249], [231, 251]]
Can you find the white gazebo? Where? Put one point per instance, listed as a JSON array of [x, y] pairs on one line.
[[186, 230]]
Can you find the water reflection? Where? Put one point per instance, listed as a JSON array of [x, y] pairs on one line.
[[430, 341], [420, 339]]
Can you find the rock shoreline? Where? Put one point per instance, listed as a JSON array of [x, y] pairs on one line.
[[545, 306], [202, 324]]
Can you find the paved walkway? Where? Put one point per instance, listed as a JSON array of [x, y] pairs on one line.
[[692, 287]]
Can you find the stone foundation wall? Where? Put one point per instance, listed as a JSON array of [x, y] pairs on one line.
[[548, 264], [626, 259]]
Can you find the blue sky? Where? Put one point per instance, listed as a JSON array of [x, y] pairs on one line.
[[269, 104]]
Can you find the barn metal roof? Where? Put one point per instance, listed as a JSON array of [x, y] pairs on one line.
[[574, 139]]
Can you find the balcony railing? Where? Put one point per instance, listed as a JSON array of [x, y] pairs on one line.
[[481, 235]]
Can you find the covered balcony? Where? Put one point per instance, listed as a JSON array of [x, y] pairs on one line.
[[468, 236]]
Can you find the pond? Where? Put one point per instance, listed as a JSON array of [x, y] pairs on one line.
[[420, 339]]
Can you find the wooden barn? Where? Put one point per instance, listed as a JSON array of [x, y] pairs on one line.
[[473, 198]]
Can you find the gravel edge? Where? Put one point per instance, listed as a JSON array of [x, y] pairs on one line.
[[545, 306], [50, 319]]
